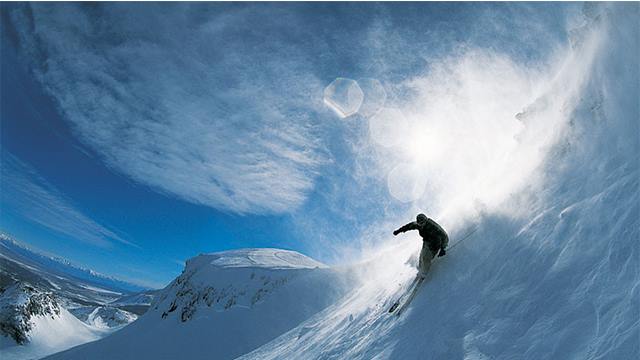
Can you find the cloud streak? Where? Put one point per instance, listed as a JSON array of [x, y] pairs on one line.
[[217, 104], [214, 107], [27, 194]]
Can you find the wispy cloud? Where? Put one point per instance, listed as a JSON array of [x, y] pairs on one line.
[[213, 107], [30, 196], [216, 104]]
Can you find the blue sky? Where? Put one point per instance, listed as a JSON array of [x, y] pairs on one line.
[[135, 136]]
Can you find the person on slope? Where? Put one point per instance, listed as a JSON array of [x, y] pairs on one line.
[[435, 240]]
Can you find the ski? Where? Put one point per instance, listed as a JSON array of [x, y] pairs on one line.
[[412, 295], [406, 293]]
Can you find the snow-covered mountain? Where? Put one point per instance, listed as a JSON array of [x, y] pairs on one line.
[[73, 285], [19, 304], [56, 269], [34, 324], [224, 305], [104, 317], [48, 305]]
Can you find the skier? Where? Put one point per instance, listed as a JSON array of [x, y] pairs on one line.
[[435, 241]]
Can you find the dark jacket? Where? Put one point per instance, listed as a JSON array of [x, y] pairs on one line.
[[431, 232]]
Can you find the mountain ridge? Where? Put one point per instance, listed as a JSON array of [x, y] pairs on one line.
[[64, 265]]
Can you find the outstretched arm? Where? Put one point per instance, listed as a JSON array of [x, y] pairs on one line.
[[410, 226]]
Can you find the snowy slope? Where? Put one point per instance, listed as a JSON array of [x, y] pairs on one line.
[[104, 317], [37, 325], [558, 282], [560, 287], [50, 335], [19, 303], [224, 305]]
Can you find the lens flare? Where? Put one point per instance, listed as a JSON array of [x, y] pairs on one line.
[[344, 96], [389, 127], [374, 97], [406, 182]]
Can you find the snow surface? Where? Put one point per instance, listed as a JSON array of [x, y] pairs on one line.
[[50, 334], [259, 258], [104, 317]]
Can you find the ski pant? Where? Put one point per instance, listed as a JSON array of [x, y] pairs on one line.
[[424, 262]]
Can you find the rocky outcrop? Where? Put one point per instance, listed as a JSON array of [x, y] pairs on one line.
[[19, 303]]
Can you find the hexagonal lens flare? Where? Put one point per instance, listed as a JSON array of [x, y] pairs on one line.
[[374, 97], [344, 96]]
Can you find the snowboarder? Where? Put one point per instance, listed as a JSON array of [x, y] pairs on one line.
[[435, 240]]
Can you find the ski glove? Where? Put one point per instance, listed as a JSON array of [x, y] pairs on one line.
[[396, 232], [442, 252]]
